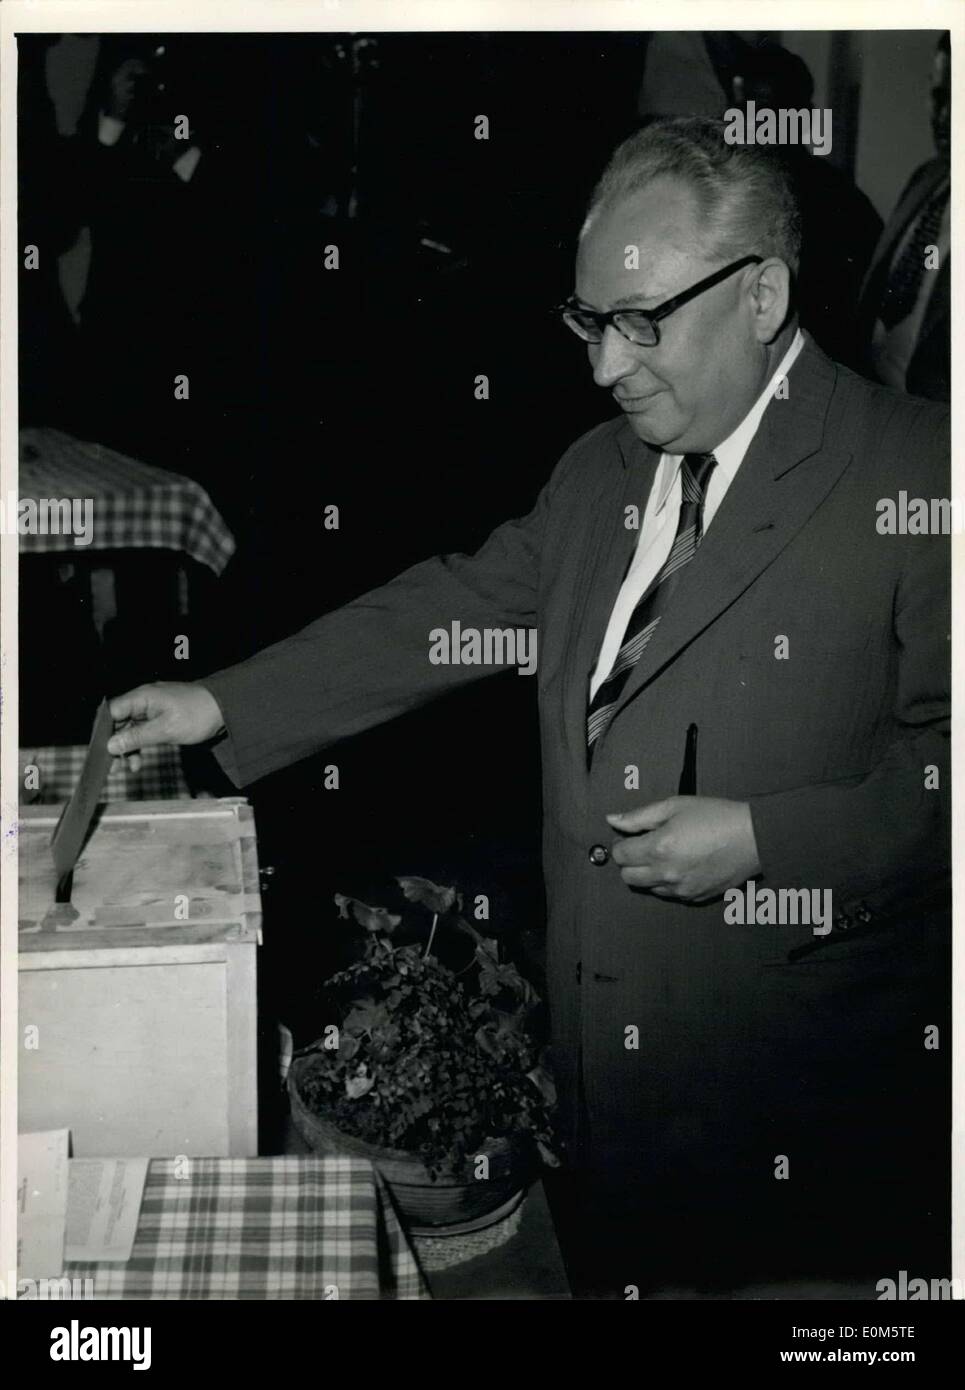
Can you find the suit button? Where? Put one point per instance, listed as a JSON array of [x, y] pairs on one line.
[[599, 854]]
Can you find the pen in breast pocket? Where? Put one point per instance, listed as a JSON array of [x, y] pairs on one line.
[[688, 773]]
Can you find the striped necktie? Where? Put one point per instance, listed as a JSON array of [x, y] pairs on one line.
[[905, 279], [695, 470]]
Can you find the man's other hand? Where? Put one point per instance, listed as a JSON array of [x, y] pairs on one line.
[[166, 712], [687, 847]]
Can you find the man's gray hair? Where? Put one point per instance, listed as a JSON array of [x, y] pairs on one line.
[[744, 192]]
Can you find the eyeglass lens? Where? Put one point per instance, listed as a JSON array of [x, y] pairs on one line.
[[637, 327]]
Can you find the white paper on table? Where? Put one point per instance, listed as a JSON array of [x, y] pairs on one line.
[[104, 1201], [41, 1203]]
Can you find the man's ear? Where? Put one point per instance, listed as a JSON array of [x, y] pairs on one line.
[[770, 298]]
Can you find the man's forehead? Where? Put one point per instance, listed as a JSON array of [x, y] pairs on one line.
[[641, 247], [649, 212]]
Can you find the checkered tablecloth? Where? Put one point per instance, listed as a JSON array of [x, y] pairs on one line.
[[160, 776], [134, 506], [252, 1228]]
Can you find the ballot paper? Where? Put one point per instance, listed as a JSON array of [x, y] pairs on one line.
[[42, 1183], [103, 1205], [71, 830]]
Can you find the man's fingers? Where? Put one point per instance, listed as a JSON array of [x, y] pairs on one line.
[[643, 817], [649, 876], [636, 851], [139, 703], [136, 736], [144, 711]]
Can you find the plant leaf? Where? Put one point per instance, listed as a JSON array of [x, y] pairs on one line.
[[365, 1015], [358, 1086], [487, 952], [374, 919], [547, 1155], [544, 1083], [429, 894], [488, 1039]]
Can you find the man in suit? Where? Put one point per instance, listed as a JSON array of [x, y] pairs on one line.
[[904, 317], [741, 682]]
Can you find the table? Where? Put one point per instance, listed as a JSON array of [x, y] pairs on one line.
[[58, 768], [262, 1228], [135, 506], [128, 506]]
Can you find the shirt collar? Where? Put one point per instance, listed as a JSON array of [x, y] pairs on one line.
[[730, 453]]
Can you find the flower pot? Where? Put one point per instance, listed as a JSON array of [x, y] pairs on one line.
[[420, 1199]]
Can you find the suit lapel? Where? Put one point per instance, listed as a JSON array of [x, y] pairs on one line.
[[784, 476]]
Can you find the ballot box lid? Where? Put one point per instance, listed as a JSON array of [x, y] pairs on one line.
[[152, 873]]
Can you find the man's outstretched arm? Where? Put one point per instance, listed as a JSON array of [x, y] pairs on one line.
[[354, 668]]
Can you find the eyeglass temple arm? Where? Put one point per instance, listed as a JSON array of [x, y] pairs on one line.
[[686, 296], [668, 307]]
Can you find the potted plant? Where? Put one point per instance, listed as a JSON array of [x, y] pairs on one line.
[[432, 1074]]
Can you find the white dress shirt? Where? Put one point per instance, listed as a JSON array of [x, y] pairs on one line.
[[659, 525]]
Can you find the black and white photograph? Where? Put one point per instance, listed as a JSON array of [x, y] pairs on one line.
[[478, 518]]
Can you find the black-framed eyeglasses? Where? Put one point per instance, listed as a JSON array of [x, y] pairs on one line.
[[639, 326]]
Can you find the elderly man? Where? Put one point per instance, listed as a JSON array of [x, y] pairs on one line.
[[743, 695]]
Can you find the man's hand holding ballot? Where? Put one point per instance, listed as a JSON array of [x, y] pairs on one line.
[[167, 712]]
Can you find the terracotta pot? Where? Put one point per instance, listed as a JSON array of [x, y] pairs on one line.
[[419, 1199]]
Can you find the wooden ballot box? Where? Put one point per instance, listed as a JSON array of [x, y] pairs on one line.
[[137, 997]]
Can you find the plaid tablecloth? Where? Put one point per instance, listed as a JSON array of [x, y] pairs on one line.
[[253, 1228], [59, 766], [135, 506]]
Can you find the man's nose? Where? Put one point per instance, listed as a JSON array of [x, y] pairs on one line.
[[615, 357]]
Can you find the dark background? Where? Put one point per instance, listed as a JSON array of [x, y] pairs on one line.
[[356, 387]]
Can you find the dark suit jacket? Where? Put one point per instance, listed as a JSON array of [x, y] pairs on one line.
[[746, 1049], [929, 371]]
